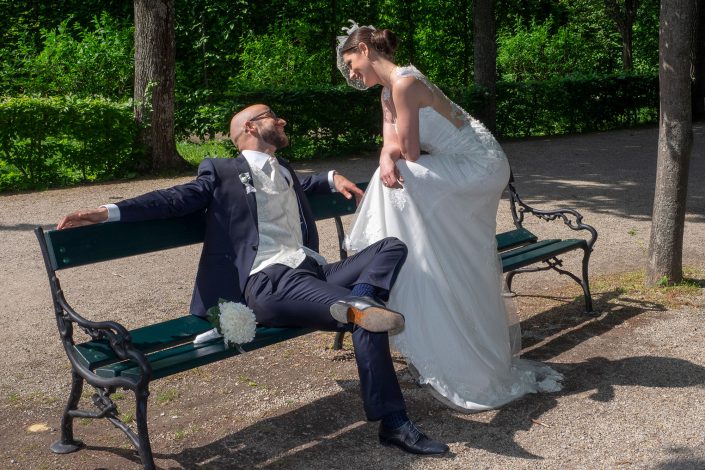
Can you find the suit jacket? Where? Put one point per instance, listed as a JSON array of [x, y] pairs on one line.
[[232, 237]]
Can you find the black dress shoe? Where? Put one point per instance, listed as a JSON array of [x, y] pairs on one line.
[[409, 438], [368, 314]]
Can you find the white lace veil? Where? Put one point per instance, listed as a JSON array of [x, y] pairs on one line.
[[339, 52]]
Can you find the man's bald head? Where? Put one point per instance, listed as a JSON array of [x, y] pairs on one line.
[[238, 122], [258, 128]]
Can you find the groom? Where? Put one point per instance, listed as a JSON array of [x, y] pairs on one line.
[[261, 247]]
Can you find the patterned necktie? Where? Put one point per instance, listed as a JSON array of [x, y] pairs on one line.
[[278, 180]]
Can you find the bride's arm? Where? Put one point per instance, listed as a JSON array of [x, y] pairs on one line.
[[388, 171], [409, 95]]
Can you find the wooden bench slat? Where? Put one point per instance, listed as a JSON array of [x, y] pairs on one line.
[[101, 242], [325, 206], [514, 238], [188, 356], [147, 339], [540, 251]]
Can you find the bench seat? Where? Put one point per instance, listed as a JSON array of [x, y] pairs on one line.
[[514, 238], [97, 353], [536, 252], [189, 355]]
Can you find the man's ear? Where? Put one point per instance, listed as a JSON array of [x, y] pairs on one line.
[[250, 128]]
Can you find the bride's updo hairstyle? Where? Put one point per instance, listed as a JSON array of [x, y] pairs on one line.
[[383, 41]]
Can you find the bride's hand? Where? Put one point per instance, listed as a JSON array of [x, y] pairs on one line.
[[389, 173]]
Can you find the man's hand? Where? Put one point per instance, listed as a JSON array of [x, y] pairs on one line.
[[84, 217], [347, 188]]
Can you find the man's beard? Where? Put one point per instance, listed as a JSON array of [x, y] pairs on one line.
[[275, 137]]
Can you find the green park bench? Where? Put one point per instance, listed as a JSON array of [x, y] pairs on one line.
[[117, 358]]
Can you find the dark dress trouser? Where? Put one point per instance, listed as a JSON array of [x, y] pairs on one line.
[[284, 297]]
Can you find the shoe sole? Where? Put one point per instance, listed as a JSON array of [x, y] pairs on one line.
[[389, 443], [373, 319]]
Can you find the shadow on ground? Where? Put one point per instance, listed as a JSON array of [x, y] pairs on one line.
[[591, 178], [289, 440]]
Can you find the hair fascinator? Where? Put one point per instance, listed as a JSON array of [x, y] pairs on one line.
[[339, 52]]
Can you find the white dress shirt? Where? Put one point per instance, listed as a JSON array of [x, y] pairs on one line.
[[278, 219]]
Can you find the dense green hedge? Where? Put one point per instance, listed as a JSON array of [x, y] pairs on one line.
[[63, 140], [321, 121], [57, 141], [328, 121], [575, 104]]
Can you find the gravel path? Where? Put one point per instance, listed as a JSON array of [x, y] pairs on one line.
[[634, 390]]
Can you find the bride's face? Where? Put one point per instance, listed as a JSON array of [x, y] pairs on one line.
[[360, 68]]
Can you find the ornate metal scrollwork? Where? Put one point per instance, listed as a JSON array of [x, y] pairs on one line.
[[570, 217]]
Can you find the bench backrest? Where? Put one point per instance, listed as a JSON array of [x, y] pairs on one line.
[[103, 242]]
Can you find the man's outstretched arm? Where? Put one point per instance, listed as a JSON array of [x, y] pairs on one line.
[[84, 217]]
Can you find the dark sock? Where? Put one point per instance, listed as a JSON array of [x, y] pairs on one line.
[[363, 290], [395, 419]]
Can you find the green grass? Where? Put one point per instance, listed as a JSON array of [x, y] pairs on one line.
[[247, 380], [195, 152], [167, 396], [127, 417], [689, 291]]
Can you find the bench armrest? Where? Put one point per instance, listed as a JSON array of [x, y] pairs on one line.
[[572, 218], [117, 336]]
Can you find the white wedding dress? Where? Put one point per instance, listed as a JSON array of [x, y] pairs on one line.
[[457, 333]]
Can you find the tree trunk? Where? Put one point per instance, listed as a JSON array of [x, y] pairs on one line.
[[624, 14], [674, 144], [485, 54], [154, 83], [699, 63], [627, 61]]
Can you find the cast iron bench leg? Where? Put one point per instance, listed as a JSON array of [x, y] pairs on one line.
[[585, 284], [67, 444], [338, 341], [584, 281], [145, 448]]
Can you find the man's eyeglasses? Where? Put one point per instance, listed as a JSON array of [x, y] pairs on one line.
[[263, 115]]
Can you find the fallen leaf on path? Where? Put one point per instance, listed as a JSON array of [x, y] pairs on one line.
[[39, 427]]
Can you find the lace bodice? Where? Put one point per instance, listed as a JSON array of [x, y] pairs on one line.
[[447, 128]]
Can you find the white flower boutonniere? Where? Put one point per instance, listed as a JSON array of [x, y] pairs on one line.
[[246, 180], [235, 321]]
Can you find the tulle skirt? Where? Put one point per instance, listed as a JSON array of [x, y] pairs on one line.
[[458, 335]]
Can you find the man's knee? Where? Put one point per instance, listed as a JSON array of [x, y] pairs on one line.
[[396, 246]]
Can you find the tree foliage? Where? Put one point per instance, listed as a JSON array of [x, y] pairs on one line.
[[225, 49]]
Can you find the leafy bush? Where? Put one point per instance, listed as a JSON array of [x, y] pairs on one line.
[[55, 141], [92, 61], [194, 152], [547, 51], [63, 140], [273, 59], [321, 121], [575, 104], [326, 121]]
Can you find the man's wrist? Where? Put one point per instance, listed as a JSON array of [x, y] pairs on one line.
[[113, 212], [331, 180]]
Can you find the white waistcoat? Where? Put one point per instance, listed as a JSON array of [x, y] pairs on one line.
[[278, 220]]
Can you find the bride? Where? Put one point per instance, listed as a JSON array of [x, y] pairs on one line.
[[440, 178]]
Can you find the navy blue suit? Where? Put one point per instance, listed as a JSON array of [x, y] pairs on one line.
[[279, 296]]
